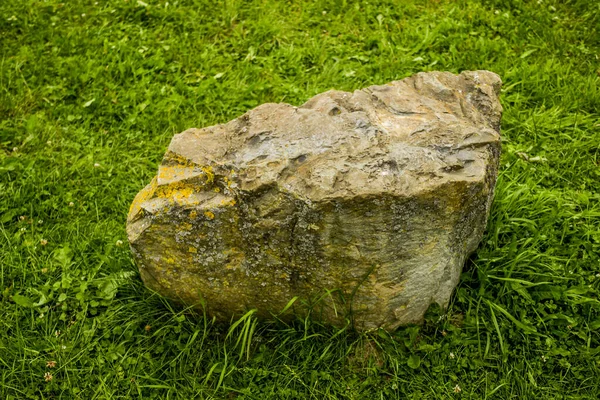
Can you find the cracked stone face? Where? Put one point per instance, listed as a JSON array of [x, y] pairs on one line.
[[363, 206]]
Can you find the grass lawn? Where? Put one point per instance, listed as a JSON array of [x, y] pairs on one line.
[[91, 93]]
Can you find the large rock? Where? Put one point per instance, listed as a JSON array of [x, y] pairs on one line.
[[366, 204]]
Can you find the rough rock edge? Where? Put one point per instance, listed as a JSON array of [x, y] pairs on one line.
[[483, 88]]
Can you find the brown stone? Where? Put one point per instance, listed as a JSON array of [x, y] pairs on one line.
[[367, 203]]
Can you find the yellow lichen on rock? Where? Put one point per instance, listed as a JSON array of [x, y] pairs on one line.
[[145, 194], [209, 215], [177, 192], [230, 203], [210, 175], [170, 172], [177, 159]]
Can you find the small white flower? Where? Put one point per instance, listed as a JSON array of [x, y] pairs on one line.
[[119, 243], [43, 242], [457, 389], [41, 315], [452, 355], [82, 15], [22, 218], [57, 333], [49, 142], [40, 222], [63, 347], [544, 359], [324, 12], [71, 204], [15, 149], [497, 12], [23, 229], [96, 165]]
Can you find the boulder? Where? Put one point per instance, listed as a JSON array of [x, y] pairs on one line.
[[359, 207]]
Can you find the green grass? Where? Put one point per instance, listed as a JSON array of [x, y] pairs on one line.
[[108, 83]]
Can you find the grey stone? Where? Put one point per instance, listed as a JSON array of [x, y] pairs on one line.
[[363, 206]]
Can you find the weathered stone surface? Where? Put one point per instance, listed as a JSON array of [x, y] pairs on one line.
[[377, 196]]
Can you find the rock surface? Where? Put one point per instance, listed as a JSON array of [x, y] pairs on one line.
[[363, 205]]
